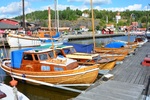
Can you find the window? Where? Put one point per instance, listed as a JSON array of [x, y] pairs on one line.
[[72, 50], [59, 53], [51, 55], [45, 68], [67, 51], [36, 57], [27, 57], [43, 57], [58, 68]]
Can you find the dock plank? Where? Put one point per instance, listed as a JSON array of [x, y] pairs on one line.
[[114, 90], [130, 80]]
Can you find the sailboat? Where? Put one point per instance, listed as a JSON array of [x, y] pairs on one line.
[[118, 54], [24, 40]]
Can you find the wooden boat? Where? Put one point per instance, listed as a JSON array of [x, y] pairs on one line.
[[111, 50], [107, 64], [85, 58], [15, 41], [140, 40], [40, 65], [118, 57]]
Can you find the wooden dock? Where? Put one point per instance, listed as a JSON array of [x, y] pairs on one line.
[[130, 81]]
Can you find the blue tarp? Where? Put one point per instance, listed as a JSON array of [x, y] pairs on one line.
[[16, 57], [115, 45], [86, 48]]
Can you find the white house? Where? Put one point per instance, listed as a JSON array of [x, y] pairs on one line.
[[85, 15]]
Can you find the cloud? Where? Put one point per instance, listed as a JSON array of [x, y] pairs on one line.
[[130, 7], [13, 9], [134, 7]]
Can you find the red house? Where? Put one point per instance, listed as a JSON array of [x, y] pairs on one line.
[[9, 21], [107, 31]]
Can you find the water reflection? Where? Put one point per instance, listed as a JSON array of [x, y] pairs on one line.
[[39, 92], [99, 41]]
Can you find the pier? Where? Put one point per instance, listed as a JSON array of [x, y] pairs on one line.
[[130, 80], [89, 35]]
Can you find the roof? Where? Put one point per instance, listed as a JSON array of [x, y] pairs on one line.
[[9, 19], [8, 26]]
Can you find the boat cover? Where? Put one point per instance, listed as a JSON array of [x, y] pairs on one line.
[[16, 57], [115, 45], [86, 48]]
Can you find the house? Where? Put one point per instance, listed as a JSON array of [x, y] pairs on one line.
[[109, 26], [118, 17], [107, 31], [134, 26], [7, 23], [83, 28], [85, 15], [4, 26], [141, 29]]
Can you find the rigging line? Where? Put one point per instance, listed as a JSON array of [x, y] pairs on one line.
[[3, 43]]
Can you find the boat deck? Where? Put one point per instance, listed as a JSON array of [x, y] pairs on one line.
[[130, 80]]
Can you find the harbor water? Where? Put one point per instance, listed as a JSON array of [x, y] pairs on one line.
[[40, 92]]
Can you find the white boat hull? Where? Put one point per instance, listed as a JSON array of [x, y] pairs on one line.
[[15, 41], [9, 91]]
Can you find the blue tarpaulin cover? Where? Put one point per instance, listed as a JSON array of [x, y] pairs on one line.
[[115, 45], [86, 48], [16, 57]]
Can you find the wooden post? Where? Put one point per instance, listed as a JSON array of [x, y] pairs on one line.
[[93, 31]]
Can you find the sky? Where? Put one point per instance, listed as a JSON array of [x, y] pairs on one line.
[[13, 8]]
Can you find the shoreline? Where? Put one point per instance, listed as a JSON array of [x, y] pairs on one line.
[[70, 37]]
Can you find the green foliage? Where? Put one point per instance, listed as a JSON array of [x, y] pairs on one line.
[[72, 15]]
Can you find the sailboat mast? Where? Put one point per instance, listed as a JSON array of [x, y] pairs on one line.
[[49, 27], [49, 19], [23, 14], [93, 31], [57, 16]]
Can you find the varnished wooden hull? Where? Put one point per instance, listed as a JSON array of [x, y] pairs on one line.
[[118, 58], [107, 66], [111, 51], [104, 63], [86, 75]]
